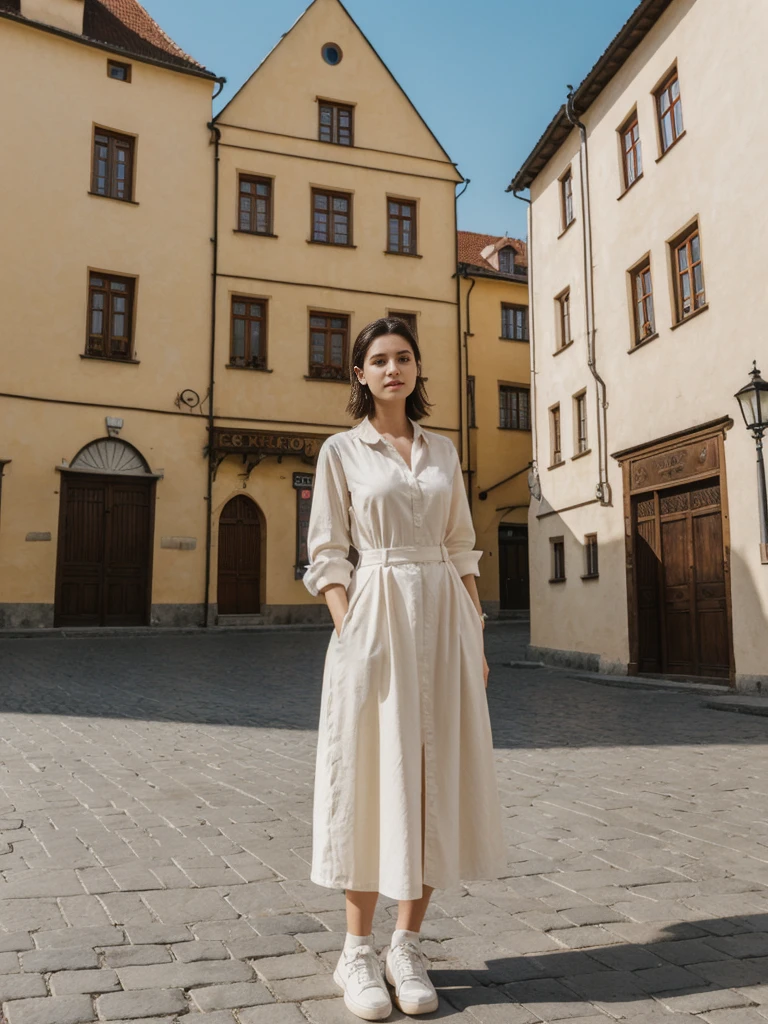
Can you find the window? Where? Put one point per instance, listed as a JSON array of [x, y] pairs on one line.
[[407, 318], [331, 217], [110, 316], [564, 316], [642, 297], [507, 264], [580, 422], [689, 274], [336, 123], [471, 411], [514, 408], [402, 227], [631, 151], [248, 340], [255, 205], [514, 322], [112, 165], [328, 343], [554, 436], [669, 108], [566, 198], [332, 54], [120, 72], [557, 560], [590, 556]]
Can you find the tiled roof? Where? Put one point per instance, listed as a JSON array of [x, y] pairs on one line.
[[125, 25], [471, 244]]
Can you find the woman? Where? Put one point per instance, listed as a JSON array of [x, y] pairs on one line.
[[405, 787]]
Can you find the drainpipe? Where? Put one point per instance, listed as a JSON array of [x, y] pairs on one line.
[[211, 372], [468, 334], [603, 489], [458, 313]]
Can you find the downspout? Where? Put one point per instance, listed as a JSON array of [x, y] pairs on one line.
[[211, 372], [603, 489], [458, 312], [534, 482], [468, 334]]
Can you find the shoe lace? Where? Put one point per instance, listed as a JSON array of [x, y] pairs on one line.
[[363, 964], [409, 962]]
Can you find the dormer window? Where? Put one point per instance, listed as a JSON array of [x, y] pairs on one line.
[[507, 261]]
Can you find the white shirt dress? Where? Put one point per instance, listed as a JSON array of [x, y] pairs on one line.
[[405, 673]]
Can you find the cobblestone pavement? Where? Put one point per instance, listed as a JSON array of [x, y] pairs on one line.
[[155, 799]]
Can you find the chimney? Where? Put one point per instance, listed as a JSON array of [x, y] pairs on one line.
[[64, 14]]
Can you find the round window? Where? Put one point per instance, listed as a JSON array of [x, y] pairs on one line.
[[331, 53]]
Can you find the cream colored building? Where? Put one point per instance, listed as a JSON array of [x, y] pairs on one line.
[[646, 262], [493, 272]]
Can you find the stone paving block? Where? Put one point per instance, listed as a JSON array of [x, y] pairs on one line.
[[64, 938], [581, 938], [184, 906], [148, 1003], [286, 924], [42, 960], [126, 908], [592, 915], [225, 931], [285, 1014], [743, 1015], [15, 942], [96, 880], [686, 951], [222, 997], [21, 986], [136, 956], [134, 879], [549, 999], [34, 884], [68, 983], [84, 912], [265, 945], [488, 1006], [523, 942], [203, 949], [51, 1010], [713, 998], [177, 975], [18, 915], [152, 934], [9, 963], [730, 973], [294, 990], [750, 944], [296, 965], [320, 942]]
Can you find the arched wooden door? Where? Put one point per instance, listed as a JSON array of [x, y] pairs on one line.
[[239, 558]]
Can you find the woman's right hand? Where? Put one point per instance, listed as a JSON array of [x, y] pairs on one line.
[[338, 603]]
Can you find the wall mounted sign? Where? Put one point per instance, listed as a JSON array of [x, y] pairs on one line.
[[303, 483], [255, 445]]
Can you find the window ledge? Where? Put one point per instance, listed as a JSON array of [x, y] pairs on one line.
[[562, 348], [258, 234], [621, 196], [580, 455], [567, 226], [645, 341], [557, 465], [691, 316], [115, 199], [110, 359], [258, 369], [327, 380], [557, 579], [524, 430], [413, 255], [333, 245], [525, 341], [671, 146], [591, 576]]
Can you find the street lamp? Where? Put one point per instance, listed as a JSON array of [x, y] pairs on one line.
[[753, 399]]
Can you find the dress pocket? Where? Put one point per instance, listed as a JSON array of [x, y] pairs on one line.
[[357, 587]]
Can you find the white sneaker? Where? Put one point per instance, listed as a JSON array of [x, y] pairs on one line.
[[407, 973], [358, 972]]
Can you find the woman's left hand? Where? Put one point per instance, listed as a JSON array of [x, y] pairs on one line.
[[486, 670]]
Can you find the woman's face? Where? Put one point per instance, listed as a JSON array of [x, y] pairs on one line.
[[389, 369]]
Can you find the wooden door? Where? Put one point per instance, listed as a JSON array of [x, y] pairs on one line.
[[104, 562], [514, 583], [239, 558]]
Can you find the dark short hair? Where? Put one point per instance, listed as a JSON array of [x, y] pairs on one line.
[[361, 402]]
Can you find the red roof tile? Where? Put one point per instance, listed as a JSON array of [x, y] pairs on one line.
[[471, 244]]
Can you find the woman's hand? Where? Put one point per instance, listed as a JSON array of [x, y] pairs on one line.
[[486, 670], [335, 595]]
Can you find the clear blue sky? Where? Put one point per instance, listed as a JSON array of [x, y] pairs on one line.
[[487, 76]]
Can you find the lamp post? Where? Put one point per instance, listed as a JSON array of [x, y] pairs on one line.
[[753, 399]]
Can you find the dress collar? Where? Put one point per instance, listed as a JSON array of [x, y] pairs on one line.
[[366, 431]]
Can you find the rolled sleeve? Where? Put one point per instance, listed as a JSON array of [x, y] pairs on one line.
[[328, 537], [460, 535]]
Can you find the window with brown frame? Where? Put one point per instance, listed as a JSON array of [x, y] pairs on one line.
[[331, 217], [508, 262], [255, 205], [119, 71], [407, 318], [248, 334], [514, 322], [689, 274], [514, 408], [336, 124], [631, 151], [557, 559], [564, 317], [591, 567], [580, 422], [642, 294], [566, 198], [112, 170], [471, 411], [556, 445], [110, 316], [401, 236], [328, 346], [669, 109]]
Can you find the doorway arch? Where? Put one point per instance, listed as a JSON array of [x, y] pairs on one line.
[[241, 542]]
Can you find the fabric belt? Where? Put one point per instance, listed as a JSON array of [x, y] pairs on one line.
[[402, 556]]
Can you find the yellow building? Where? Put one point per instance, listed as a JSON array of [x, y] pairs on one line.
[[493, 273], [158, 434], [108, 183], [336, 205]]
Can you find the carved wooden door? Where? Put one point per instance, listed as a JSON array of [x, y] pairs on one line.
[[104, 557], [239, 558], [514, 585]]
